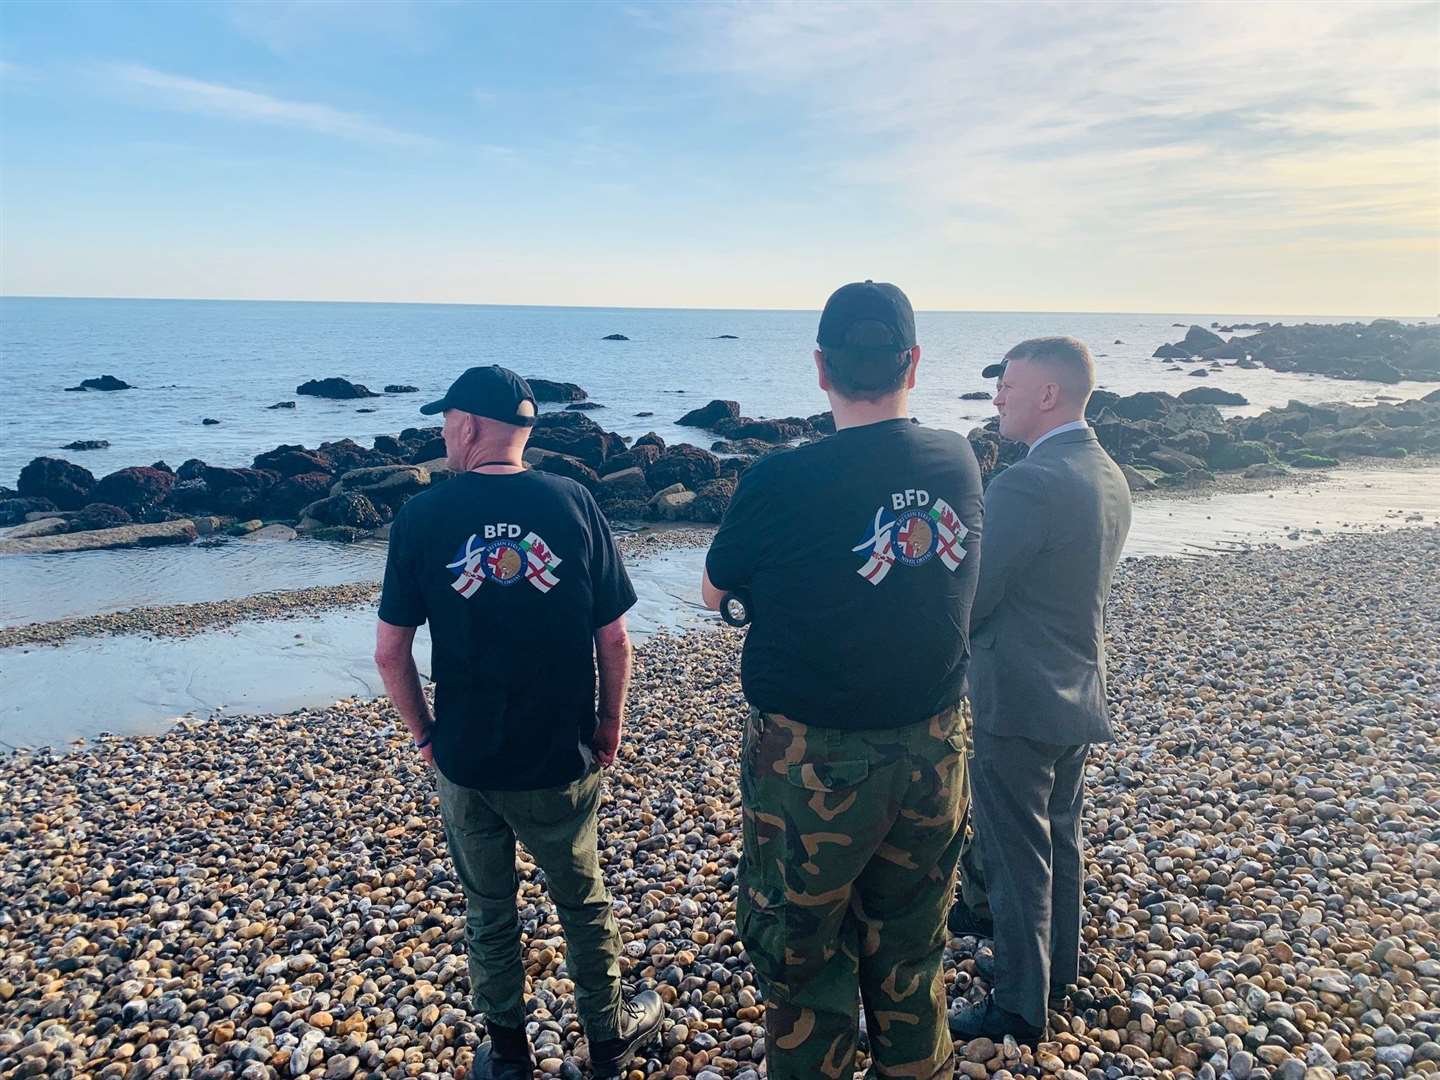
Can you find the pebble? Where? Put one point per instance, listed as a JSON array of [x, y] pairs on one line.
[[270, 896]]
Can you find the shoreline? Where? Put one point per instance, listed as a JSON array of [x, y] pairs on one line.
[[1258, 839], [188, 619]]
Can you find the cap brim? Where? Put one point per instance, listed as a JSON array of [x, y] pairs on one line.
[[994, 371], [433, 408]]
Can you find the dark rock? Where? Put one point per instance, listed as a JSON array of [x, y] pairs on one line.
[[137, 490], [401, 388], [568, 466], [335, 388], [292, 494], [99, 516], [1197, 339], [770, 431], [707, 416], [1312, 461], [977, 395], [1195, 442], [1433, 397], [641, 456], [104, 382], [1146, 405], [1175, 461], [584, 406], [67, 485], [577, 435], [292, 461], [281, 405], [548, 390], [237, 492], [365, 410], [1212, 395], [615, 337], [1099, 400], [727, 337], [347, 454], [711, 501], [626, 483], [822, 423], [683, 464], [750, 447], [650, 439], [13, 511], [87, 444], [1240, 455], [391, 446], [428, 451], [209, 421], [348, 508], [191, 469], [1171, 352], [642, 415], [162, 466]]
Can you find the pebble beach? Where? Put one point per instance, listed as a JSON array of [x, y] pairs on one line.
[[269, 896]]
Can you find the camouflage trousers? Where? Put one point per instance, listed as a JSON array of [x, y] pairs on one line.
[[850, 844], [557, 826]]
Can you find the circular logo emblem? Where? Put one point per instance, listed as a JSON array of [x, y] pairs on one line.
[[504, 563], [914, 538]]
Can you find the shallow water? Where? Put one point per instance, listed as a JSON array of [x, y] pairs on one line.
[[229, 360]]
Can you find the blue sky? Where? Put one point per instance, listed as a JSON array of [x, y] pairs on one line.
[[1147, 157]]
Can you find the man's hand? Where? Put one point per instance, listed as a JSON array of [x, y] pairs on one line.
[[606, 742], [427, 754]]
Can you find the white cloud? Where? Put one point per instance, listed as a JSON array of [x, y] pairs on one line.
[[194, 95], [1059, 120]]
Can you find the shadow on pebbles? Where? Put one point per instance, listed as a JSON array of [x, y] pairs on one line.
[[269, 896]]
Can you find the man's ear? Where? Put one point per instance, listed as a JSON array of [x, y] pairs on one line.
[[914, 363], [820, 370]]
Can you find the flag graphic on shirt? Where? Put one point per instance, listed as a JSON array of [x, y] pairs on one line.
[[505, 562], [912, 538]]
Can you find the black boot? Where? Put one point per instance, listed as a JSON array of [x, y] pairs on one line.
[[639, 1023], [506, 1055], [988, 1020]]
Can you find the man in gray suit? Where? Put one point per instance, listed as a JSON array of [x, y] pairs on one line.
[[1055, 523]]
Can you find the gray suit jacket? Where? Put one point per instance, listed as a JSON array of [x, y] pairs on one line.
[[1054, 526]]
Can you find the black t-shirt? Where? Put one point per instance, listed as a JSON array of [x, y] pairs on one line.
[[860, 553], [514, 573]]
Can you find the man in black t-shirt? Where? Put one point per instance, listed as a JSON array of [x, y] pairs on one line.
[[519, 578], [859, 554]]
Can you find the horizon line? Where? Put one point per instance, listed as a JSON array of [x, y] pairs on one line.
[[626, 307]]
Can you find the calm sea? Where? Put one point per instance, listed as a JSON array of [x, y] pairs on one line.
[[228, 360]]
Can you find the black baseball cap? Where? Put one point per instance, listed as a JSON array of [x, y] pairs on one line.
[[867, 315], [494, 392], [994, 371]]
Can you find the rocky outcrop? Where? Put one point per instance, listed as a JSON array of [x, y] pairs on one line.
[[712, 500], [14, 510], [708, 416], [140, 491], [1212, 395], [66, 485], [615, 337], [154, 535], [401, 388], [104, 382], [568, 466], [335, 388], [290, 496], [1383, 350], [683, 464], [87, 444], [349, 508], [578, 436], [547, 390]]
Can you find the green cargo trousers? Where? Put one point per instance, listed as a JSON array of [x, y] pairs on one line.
[[557, 827], [851, 839]]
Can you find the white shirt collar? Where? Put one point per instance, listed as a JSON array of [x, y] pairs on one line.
[[1073, 425]]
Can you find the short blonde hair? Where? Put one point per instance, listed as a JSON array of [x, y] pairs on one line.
[[1066, 357]]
